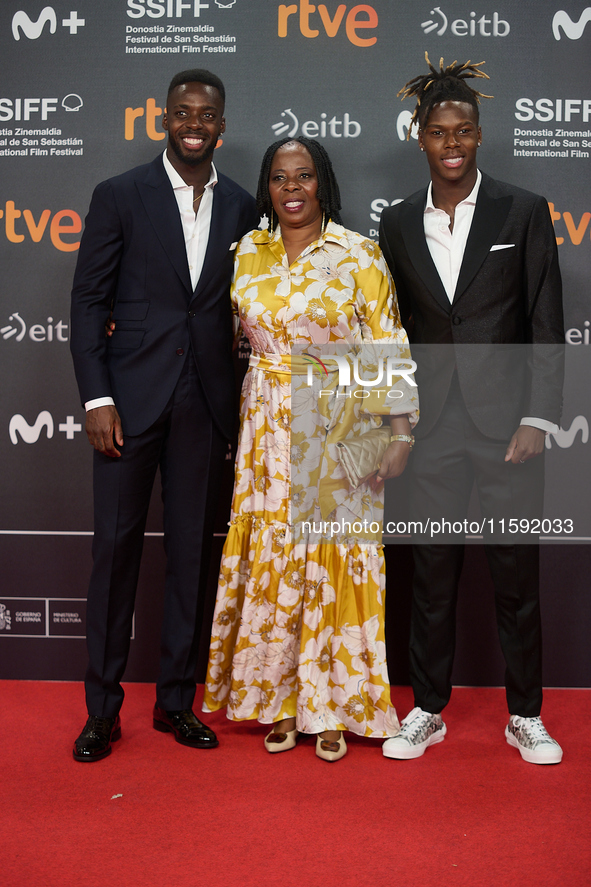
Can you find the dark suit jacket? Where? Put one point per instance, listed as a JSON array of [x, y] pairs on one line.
[[133, 261], [504, 298]]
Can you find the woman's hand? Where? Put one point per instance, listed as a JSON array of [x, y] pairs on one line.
[[396, 456]]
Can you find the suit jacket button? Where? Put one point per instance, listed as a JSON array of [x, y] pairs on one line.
[[457, 321], [192, 313], [180, 351]]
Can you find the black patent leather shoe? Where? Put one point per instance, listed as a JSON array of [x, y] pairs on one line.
[[95, 740], [187, 728]]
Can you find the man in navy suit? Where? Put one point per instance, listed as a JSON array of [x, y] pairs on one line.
[[157, 252], [476, 271]]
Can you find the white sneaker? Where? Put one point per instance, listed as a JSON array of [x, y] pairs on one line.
[[535, 744], [419, 729]]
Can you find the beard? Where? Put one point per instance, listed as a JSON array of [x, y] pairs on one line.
[[189, 158]]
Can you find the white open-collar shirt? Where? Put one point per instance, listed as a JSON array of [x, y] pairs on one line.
[[195, 226]]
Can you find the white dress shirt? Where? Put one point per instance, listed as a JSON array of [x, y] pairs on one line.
[[195, 229], [447, 251], [195, 225], [447, 247]]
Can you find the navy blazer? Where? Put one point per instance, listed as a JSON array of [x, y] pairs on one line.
[[133, 262], [505, 297]]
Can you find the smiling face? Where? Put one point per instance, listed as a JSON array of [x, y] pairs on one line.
[[293, 186], [194, 121], [450, 139]]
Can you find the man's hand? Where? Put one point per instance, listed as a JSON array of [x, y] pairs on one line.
[[526, 443], [103, 427]]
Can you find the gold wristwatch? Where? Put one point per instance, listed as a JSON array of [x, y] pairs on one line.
[[408, 438]]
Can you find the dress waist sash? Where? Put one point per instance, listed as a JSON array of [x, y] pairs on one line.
[[286, 364]]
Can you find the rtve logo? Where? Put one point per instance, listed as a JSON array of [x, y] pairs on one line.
[[310, 128], [572, 30], [575, 232], [151, 113], [497, 27], [63, 222], [22, 24], [30, 434], [358, 18]]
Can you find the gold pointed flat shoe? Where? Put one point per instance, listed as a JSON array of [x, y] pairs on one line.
[[331, 751], [276, 742]]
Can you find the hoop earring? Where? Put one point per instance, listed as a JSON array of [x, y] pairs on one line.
[[271, 225], [323, 222]]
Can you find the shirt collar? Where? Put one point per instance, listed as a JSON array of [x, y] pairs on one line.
[[470, 199], [177, 180]]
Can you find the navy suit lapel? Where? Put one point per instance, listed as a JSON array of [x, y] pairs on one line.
[[222, 228], [490, 214], [160, 204], [413, 233]]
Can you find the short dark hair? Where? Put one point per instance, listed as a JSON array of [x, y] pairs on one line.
[[197, 75], [446, 85], [328, 190]]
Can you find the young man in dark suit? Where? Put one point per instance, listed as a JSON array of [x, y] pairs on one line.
[[157, 252], [475, 265]]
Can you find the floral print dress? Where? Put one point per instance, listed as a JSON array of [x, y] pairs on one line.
[[298, 628]]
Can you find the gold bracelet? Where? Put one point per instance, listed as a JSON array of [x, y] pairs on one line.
[[407, 438]]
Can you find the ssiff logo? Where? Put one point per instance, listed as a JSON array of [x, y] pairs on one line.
[[572, 30], [335, 128], [22, 24], [497, 27], [171, 8], [5, 619]]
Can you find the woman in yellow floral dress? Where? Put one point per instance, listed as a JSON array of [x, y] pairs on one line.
[[298, 630]]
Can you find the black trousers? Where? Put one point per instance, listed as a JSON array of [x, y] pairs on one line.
[[185, 444], [444, 466]]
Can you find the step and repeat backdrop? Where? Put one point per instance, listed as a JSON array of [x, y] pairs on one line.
[[81, 98]]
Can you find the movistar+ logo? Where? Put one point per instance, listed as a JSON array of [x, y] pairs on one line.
[[572, 30], [22, 24]]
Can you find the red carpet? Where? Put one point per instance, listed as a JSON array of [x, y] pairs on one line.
[[469, 813]]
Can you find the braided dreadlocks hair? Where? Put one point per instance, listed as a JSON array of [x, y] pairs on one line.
[[328, 189], [444, 85]]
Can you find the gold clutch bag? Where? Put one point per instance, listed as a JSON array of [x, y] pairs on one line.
[[361, 456]]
